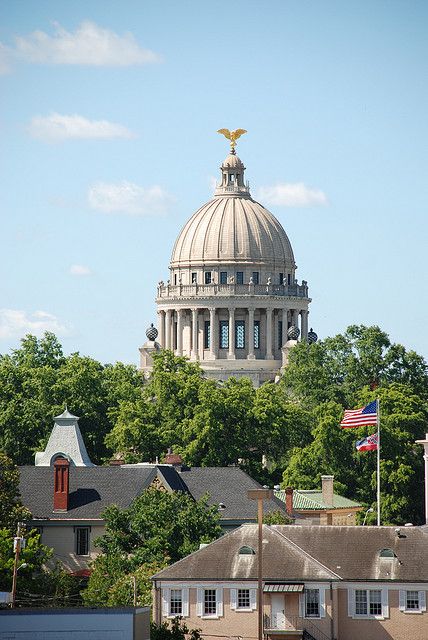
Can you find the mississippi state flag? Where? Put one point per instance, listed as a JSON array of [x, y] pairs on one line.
[[365, 416], [367, 444]]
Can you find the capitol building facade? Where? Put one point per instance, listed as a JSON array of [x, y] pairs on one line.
[[232, 301]]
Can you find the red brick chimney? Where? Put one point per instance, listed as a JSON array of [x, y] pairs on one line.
[[61, 476], [173, 458], [289, 500]]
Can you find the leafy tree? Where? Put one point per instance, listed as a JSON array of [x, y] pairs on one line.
[[338, 367], [157, 528], [11, 509], [37, 381], [178, 631], [404, 416]]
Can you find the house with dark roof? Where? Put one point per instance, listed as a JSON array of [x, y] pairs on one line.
[[319, 582], [67, 494]]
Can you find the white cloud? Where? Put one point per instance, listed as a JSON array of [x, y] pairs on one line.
[[79, 270], [90, 44], [129, 198], [289, 194], [15, 323], [55, 128]]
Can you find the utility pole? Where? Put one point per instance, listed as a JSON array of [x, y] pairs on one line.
[[134, 583], [17, 545], [260, 495]]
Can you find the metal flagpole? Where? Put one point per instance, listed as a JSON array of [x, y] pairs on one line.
[[378, 460]]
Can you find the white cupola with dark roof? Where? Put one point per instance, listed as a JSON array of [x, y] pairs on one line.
[[65, 442], [232, 296]]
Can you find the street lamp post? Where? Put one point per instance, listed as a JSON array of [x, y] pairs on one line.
[[18, 544], [260, 495], [369, 510]]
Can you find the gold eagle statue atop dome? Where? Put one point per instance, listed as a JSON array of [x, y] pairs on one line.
[[232, 136]]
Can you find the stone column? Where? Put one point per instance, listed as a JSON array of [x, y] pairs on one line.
[[168, 329], [231, 354], [179, 350], [269, 354], [251, 355], [194, 352], [213, 334], [304, 321], [295, 318], [161, 323], [284, 326]]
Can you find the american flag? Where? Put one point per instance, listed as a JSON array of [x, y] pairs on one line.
[[360, 417], [367, 444]]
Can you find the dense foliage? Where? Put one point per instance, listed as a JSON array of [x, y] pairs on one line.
[[293, 425], [158, 528], [37, 381], [177, 630]]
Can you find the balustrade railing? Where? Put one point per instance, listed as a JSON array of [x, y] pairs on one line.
[[282, 622], [209, 290]]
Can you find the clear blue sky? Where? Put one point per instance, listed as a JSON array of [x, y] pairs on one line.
[[108, 120]]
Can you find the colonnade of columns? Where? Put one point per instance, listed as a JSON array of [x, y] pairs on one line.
[[172, 323]]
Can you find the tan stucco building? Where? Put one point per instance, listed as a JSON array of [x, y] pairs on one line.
[[319, 583], [232, 300]]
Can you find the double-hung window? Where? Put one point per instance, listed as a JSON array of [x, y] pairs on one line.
[[368, 603], [82, 541], [210, 602], [239, 277], [175, 602], [207, 276], [312, 602], [223, 277], [412, 601], [243, 598]]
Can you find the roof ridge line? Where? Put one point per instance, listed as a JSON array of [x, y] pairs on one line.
[[295, 545]]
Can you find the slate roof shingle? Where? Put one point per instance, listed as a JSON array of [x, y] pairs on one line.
[[293, 553]]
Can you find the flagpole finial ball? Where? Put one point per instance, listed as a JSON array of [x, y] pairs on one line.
[[312, 336], [152, 332], [293, 333]]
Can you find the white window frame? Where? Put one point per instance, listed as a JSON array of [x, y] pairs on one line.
[[201, 602], [403, 601], [234, 598], [166, 602], [368, 616], [321, 598]]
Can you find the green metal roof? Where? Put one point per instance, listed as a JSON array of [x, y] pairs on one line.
[[311, 499]]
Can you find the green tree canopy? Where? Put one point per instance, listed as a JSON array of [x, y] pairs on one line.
[[158, 528], [37, 381]]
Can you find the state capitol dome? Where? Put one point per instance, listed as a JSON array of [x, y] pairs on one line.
[[232, 294]]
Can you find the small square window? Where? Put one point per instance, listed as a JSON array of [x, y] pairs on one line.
[[207, 277], [223, 277], [176, 602], [243, 600], [239, 277], [194, 278], [255, 277], [210, 602]]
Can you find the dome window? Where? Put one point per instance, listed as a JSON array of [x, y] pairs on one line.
[[239, 277], [386, 553], [194, 278], [223, 277], [281, 278], [256, 277], [246, 551], [207, 277]]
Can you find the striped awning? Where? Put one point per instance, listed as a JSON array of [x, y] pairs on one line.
[[283, 588]]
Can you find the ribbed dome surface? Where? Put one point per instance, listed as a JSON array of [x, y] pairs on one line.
[[232, 229]]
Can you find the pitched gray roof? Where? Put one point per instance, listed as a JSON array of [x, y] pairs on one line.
[[293, 553], [227, 485], [92, 489]]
